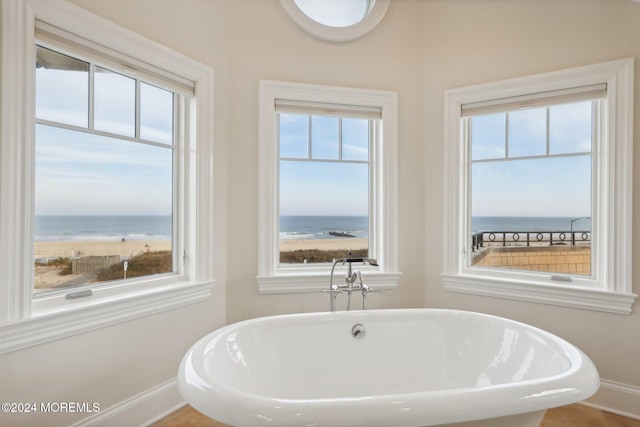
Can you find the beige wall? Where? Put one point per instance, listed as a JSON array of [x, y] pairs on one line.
[[106, 366], [420, 49]]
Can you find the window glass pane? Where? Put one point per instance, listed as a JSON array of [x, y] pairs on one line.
[[156, 114], [355, 139], [323, 210], [533, 214], [114, 103], [488, 136], [62, 88], [570, 128], [325, 139], [528, 132], [334, 13], [100, 202], [294, 136]]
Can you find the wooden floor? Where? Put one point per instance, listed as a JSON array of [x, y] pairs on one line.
[[566, 416]]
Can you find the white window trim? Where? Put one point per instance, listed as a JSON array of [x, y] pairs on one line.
[[610, 289], [274, 279], [337, 34], [24, 323]]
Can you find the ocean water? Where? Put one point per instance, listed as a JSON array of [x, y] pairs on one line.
[[61, 228], [318, 227], [540, 224], [76, 227]]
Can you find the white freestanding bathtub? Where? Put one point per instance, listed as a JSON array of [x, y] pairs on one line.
[[417, 367]]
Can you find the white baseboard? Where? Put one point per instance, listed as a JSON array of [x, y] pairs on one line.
[[140, 410], [618, 398]]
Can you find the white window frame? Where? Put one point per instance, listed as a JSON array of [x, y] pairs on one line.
[[275, 278], [25, 320], [609, 288]]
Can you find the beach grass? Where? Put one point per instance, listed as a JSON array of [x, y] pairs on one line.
[[145, 264], [63, 263], [300, 256]]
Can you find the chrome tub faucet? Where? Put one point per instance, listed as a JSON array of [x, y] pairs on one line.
[[350, 280]]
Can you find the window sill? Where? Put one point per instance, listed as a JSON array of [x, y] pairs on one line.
[[96, 313], [563, 295], [319, 282]]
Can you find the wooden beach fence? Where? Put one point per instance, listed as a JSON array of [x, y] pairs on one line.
[[94, 263]]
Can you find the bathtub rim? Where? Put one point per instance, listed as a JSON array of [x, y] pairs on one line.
[[543, 393]]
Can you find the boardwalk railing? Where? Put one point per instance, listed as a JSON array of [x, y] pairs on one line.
[[483, 239]]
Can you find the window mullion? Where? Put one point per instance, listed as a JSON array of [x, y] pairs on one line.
[[101, 133], [178, 202], [466, 132], [516, 159], [598, 194], [137, 110], [309, 133], [548, 131], [340, 138], [295, 159], [506, 136], [374, 231], [91, 100]]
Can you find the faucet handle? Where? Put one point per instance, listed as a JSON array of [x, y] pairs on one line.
[[335, 289], [368, 289]]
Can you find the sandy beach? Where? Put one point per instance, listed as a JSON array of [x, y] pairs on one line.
[[133, 247], [127, 248], [347, 244]]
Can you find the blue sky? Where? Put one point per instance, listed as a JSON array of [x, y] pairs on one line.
[[335, 13], [83, 174], [324, 186], [79, 173], [551, 187], [528, 184], [323, 189]]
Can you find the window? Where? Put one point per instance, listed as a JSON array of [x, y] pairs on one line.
[[538, 173], [531, 187], [336, 20], [335, 13], [324, 183], [104, 177], [91, 111], [327, 164]]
